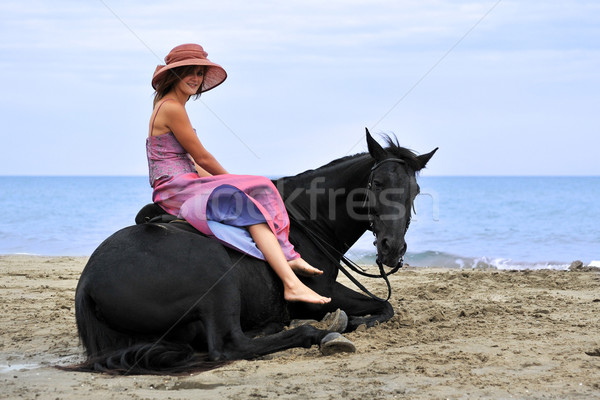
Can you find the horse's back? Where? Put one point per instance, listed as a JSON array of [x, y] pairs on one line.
[[148, 275], [152, 250]]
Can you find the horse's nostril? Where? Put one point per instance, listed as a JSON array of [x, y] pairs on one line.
[[385, 246], [404, 248]]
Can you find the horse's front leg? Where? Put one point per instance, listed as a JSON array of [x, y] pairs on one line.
[[226, 341], [242, 347], [361, 309]]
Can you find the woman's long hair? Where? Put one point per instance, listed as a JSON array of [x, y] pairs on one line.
[[173, 76]]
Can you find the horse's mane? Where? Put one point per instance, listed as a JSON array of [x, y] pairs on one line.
[[393, 148], [409, 156]]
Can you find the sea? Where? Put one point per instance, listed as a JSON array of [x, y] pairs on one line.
[[459, 222]]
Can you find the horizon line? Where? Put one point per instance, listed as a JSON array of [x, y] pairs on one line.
[[273, 176]]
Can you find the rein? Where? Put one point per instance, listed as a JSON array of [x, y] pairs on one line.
[[367, 205], [321, 243]]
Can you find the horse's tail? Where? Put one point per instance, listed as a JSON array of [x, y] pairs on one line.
[[114, 352], [159, 358]]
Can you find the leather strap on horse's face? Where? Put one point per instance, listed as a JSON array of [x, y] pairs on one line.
[[366, 202], [377, 164]]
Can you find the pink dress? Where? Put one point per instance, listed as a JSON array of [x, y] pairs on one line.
[[219, 206]]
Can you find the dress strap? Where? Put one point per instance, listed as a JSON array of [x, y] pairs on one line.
[[156, 113]]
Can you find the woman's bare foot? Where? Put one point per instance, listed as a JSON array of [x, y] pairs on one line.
[[301, 292], [301, 267]]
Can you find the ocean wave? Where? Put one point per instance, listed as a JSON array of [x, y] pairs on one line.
[[448, 260]]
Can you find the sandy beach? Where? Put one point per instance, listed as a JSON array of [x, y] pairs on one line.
[[457, 334]]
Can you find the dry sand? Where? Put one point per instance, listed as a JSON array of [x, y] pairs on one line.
[[457, 334]]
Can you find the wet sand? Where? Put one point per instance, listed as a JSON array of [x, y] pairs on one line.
[[456, 334]]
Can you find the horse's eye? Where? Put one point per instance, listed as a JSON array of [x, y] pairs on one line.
[[377, 184]]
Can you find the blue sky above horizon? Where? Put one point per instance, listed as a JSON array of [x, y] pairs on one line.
[[502, 87]]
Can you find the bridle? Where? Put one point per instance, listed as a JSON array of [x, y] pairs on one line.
[[322, 243], [366, 203]]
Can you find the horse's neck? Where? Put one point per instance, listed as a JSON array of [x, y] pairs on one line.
[[321, 199]]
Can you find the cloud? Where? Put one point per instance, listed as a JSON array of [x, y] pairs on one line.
[[302, 72]]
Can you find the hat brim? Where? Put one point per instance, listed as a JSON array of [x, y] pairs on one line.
[[213, 77]]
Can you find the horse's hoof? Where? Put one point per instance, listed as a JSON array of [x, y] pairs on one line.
[[336, 321], [300, 322], [334, 343]]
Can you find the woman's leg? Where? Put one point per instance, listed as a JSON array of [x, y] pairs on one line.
[[293, 288], [301, 267]]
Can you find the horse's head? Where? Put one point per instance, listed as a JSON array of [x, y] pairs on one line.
[[391, 193]]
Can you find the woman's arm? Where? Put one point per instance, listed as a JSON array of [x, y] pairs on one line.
[[178, 122], [201, 171]]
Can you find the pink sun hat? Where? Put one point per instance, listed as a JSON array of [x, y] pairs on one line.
[[191, 54]]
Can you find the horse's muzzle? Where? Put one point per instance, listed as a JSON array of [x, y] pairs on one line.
[[389, 253]]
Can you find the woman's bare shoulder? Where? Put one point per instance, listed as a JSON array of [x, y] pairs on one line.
[[172, 106]]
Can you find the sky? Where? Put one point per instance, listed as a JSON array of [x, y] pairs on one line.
[[501, 87]]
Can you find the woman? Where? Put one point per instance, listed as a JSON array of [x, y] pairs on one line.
[[243, 212]]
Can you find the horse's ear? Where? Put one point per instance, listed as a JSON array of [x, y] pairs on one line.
[[375, 149], [424, 158]]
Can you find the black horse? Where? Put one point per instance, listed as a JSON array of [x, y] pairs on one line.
[[155, 297]]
